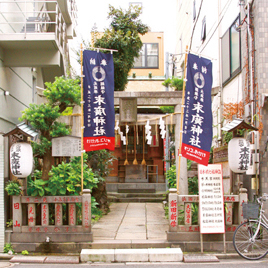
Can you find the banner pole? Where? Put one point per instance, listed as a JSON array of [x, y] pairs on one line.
[[182, 112], [82, 120]]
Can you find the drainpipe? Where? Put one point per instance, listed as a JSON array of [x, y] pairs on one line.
[[250, 63], [167, 68], [219, 117]]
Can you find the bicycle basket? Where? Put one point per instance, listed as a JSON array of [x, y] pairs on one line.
[[250, 210]]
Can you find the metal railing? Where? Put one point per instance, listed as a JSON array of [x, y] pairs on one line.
[[36, 17]]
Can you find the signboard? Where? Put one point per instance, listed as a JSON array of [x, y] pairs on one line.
[[67, 146], [99, 116], [197, 121], [211, 202], [128, 110]]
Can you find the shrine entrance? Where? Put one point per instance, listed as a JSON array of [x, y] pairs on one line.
[[140, 166]]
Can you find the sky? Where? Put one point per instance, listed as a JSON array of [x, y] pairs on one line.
[[158, 15]]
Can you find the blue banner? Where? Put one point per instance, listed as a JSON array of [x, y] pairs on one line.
[[197, 121], [99, 116]]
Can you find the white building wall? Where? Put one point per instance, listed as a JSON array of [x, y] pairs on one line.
[[220, 15]]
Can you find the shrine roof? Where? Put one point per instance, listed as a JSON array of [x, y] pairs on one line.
[[237, 124], [24, 129]]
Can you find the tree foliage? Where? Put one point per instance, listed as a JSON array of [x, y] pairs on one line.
[[60, 94], [123, 35], [176, 83]]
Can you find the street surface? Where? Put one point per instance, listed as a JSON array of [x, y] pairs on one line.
[[230, 263]]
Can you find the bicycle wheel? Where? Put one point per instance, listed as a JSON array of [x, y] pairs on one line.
[[245, 245]]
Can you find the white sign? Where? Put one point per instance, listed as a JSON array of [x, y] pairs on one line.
[[66, 146], [211, 204]]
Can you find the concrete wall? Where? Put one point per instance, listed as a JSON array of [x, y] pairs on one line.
[[18, 82], [144, 85], [260, 21]]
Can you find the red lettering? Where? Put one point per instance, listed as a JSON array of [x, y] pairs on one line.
[[173, 203], [173, 223]]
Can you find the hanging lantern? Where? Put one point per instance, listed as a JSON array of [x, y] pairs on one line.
[[21, 159], [238, 155]]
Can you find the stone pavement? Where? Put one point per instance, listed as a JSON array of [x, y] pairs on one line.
[[132, 221], [5, 264]]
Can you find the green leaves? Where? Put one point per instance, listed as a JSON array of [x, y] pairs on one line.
[[13, 188], [36, 187], [66, 178], [41, 116], [176, 83], [171, 177], [123, 35], [63, 92]]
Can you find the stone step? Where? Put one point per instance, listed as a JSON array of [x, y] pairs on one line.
[[135, 199], [124, 195], [135, 187], [132, 255], [136, 190], [75, 248]]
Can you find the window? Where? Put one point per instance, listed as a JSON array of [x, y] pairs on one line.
[[148, 56], [231, 52]]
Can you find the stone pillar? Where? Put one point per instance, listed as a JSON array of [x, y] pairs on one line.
[[188, 213], [45, 215], [86, 209], [31, 215], [173, 210], [17, 214], [72, 214], [243, 198], [58, 214], [183, 180]]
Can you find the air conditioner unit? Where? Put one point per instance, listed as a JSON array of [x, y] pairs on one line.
[[253, 138]]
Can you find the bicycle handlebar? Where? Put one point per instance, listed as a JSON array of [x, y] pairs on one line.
[[264, 197]]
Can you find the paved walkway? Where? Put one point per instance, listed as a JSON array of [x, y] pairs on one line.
[[135, 221]]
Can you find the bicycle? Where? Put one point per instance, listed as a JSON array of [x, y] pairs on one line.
[[250, 238]]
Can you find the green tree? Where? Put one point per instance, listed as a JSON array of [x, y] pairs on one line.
[[60, 94], [175, 83], [123, 35]]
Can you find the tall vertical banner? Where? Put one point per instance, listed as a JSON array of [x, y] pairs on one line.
[[99, 116], [197, 121]]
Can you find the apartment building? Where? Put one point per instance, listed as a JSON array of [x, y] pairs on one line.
[[34, 49], [231, 34]]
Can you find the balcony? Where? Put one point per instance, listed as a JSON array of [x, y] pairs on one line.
[[35, 33]]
